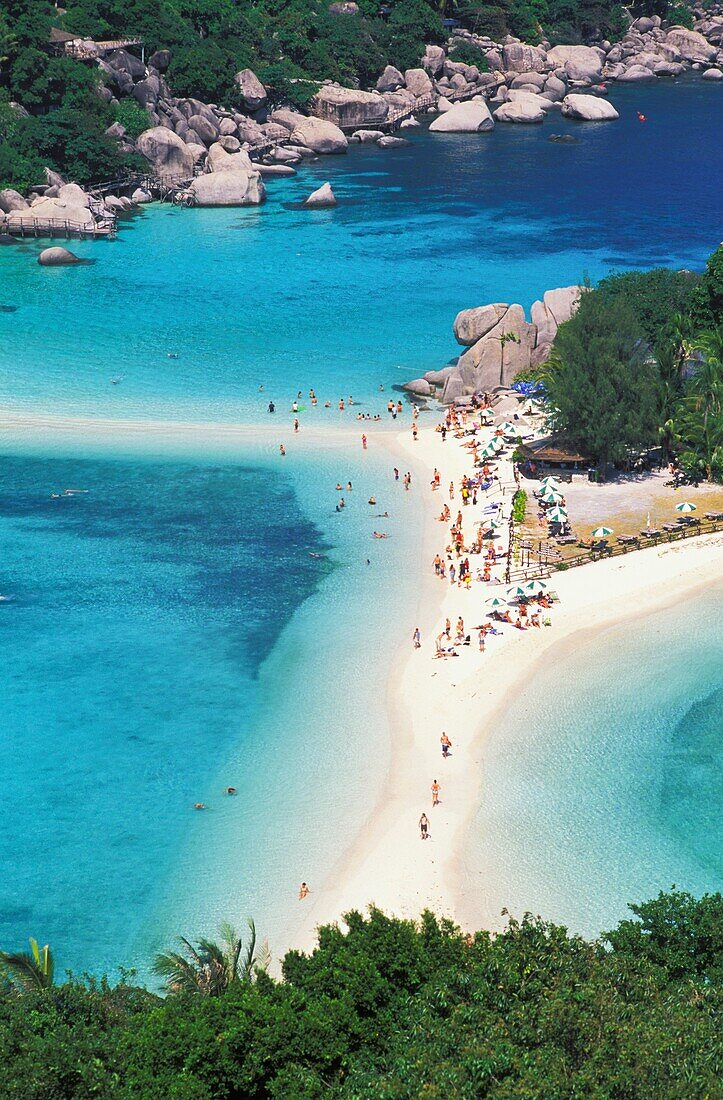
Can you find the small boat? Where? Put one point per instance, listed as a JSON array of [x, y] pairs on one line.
[[70, 492]]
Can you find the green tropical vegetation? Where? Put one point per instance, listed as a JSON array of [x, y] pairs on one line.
[[394, 1009], [640, 365], [291, 44]]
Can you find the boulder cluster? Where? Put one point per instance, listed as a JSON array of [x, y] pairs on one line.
[[58, 202], [499, 343], [222, 156]]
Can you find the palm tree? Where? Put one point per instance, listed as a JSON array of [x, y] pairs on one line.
[[698, 424], [505, 338], [28, 970], [209, 968]]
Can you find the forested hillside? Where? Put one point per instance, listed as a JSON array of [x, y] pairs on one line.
[[290, 44]]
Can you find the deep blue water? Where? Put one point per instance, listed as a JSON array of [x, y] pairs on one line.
[[168, 632]]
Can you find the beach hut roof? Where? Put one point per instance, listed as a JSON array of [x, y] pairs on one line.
[[553, 448]]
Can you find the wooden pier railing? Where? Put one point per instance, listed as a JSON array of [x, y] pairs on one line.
[[68, 230]]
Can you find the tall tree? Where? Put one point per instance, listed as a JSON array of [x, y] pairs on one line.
[[210, 968], [602, 381], [28, 970]]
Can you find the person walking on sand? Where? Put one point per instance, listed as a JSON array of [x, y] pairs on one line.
[[296, 424], [446, 744], [481, 637], [424, 826], [303, 891], [416, 638], [435, 793], [451, 490], [364, 442]]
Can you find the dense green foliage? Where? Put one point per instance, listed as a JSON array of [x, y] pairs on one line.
[[393, 1010], [641, 364], [291, 44], [67, 119]]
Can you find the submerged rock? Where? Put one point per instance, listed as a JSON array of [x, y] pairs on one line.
[[57, 257], [322, 197]]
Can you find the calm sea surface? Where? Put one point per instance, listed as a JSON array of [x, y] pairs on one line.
[[168, 633]]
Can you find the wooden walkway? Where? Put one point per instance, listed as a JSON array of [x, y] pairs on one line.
[[544, 568], [66, 230]]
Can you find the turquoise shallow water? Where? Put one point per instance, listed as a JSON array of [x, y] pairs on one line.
[[602, 783], [157, 647]]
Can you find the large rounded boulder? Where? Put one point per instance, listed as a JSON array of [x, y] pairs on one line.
[[57, 257], [349, 106], [588, 108], [235, 188], [581, 63], [471, 117], [321, 198], [165, 152], [319, 136]]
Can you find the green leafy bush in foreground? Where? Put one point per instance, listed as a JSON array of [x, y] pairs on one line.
[[394, 1009]]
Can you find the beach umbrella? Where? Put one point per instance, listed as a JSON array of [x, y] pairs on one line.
[[534, 587], [496, 602], [550, 478], [557, 515], [509, 429], [517, 592], [685, 507], [551, 496], [602, 532]]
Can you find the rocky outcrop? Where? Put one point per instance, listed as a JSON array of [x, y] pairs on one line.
[[691, 45], [251, 89], [525, 109], [57, 257], [54, 211], [433, 60], [420, 387], [219, 160], [319, 136], [518, 58], [11, 200], [348, 106], [470, 117], [588, 108], [166, 153], [417, 82], [236, 188], [322, 197], [500, 343], [504, 351], [472, 324], [556, 307], [636, 74], [581, 63], [390, 80], [73, 195]]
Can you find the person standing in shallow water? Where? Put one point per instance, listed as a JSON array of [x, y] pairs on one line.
[[416, 638], [424, 826]]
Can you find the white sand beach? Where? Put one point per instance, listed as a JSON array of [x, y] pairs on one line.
[[389, 865]]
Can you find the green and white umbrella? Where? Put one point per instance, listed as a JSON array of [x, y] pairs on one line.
[[557, 515], [509, 429], [517, 591], [602, 532], [495, 602], [551, 496], [550, 480], [686, 506], [534, 587]]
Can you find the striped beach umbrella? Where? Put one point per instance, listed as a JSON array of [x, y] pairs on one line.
[[518, 591], [557, 515], [602, 532], [550, 480], [551, 496], [686, 506], [496, 602], [509, 429], [533, 588]]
